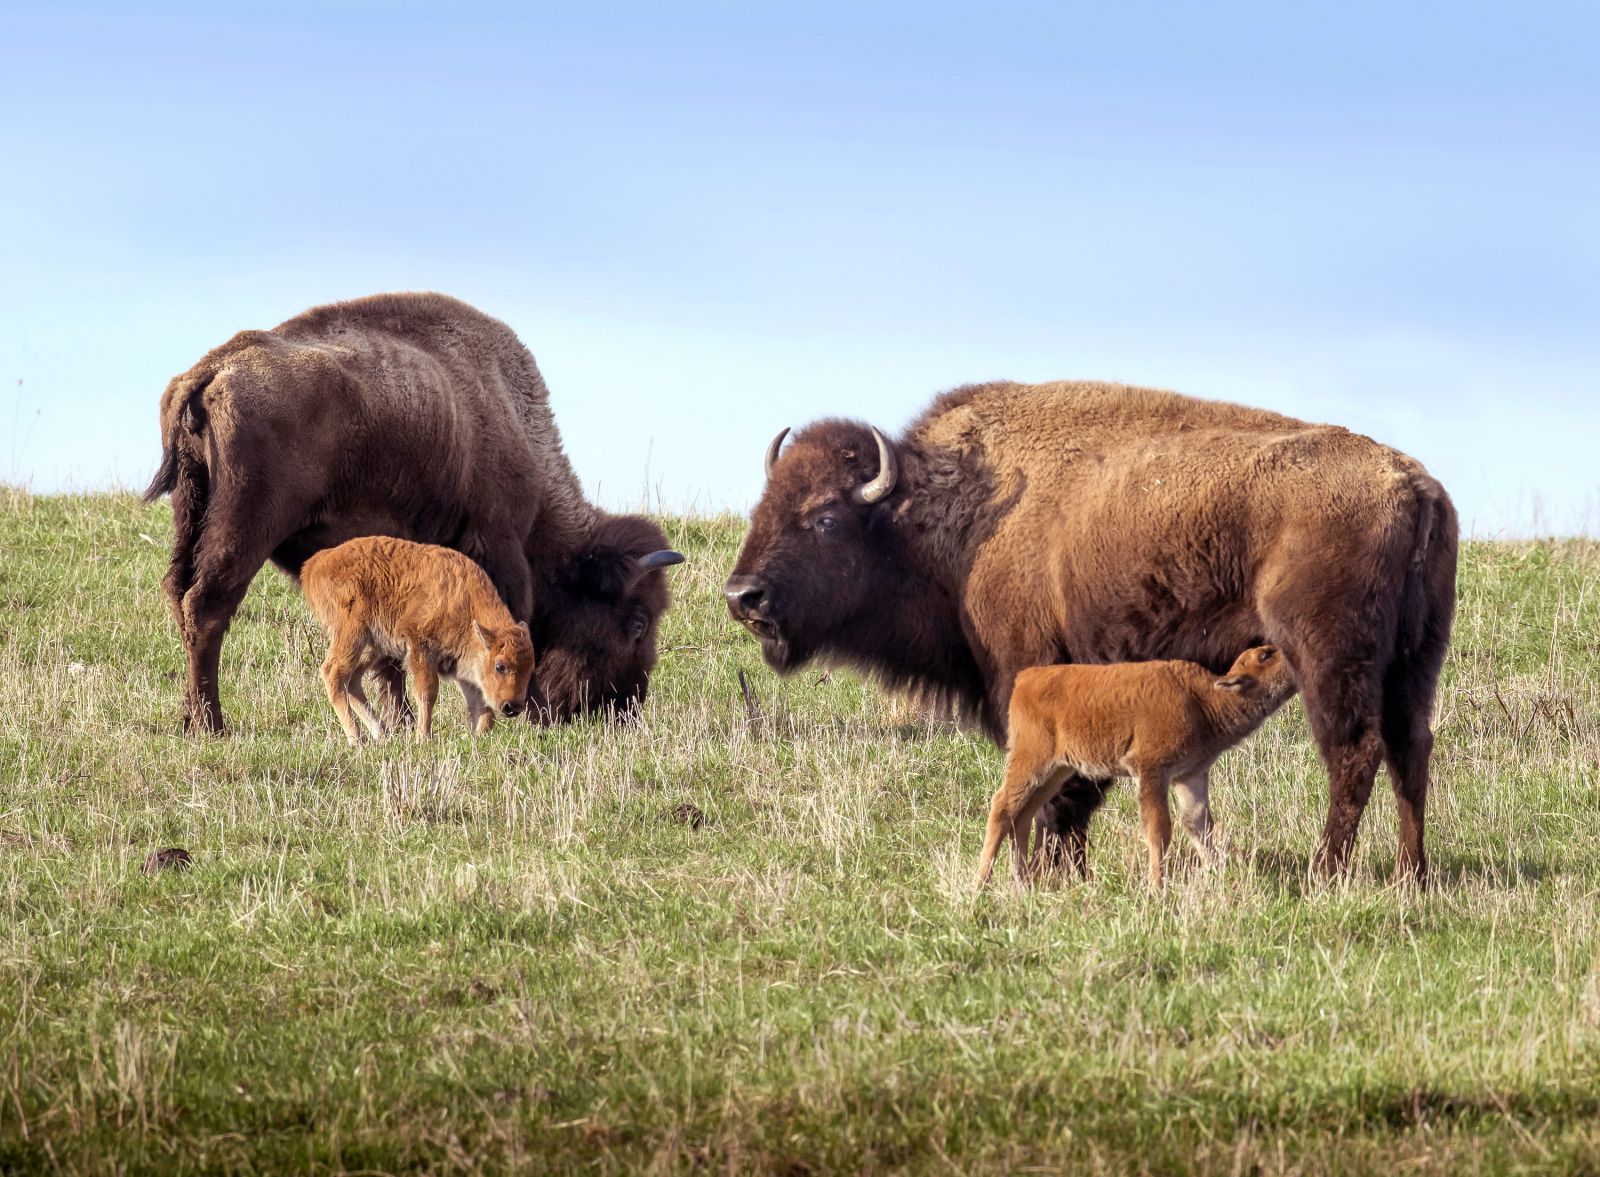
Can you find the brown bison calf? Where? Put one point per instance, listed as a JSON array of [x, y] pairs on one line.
[[430, 609], [1163, 723]]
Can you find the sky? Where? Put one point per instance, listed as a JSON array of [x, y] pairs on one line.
[[710, 221]]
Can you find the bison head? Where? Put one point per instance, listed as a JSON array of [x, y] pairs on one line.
[[817, 569], [595, 620]]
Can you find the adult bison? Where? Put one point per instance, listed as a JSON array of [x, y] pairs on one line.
[[410, 415], [1016, 525]]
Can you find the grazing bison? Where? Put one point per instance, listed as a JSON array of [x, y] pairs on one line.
[[1015, 526], [414, 416], [430, 609], [1162, 723]]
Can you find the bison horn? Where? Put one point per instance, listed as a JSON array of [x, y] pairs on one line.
[[879, 487], [772, 450], [665, 558]]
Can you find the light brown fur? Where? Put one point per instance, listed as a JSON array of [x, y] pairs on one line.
[[430, 609], [1162, 723]]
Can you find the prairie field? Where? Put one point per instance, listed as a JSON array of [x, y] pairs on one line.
[[737, 941]]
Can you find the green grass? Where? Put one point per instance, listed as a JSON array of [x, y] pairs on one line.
[[483, 956]]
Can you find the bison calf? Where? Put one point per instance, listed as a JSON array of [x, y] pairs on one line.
[[429, 608], [1163, 723]]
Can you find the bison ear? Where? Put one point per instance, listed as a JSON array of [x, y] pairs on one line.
[[486, 636], [603, 576], [1234, 682]]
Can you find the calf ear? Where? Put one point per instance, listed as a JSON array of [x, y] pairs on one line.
[[1234, 682], [485, 636]]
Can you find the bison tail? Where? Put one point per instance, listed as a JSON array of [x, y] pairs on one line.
[[166, 477], [1427, 602], [181, 411], [184, 475]]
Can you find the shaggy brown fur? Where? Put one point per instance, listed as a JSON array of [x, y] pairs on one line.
[[409, 415], [1038, 524], [1162, 723], [428, 608]]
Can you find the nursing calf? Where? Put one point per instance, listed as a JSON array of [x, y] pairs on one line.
[[1162, 723], [429, 609]]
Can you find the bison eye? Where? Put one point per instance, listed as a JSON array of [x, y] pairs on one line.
[[500, 668], [636, 629], [826, 522]]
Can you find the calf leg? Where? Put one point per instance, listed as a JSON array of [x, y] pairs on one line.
[[1156, 814], [339, 669], [1193, 793], [396, 708], [1026, 787], [363, 709], [425, 684], [479, 717]]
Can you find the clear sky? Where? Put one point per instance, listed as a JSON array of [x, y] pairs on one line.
[[709, 221]]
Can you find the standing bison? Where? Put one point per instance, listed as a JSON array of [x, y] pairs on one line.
[[408, 415], [1016, 526]]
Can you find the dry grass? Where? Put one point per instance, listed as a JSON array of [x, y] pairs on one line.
[[510, 953]]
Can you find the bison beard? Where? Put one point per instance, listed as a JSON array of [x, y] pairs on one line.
[[414, 416], [1015, 526]]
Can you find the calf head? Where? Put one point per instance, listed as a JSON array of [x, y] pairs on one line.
[[1261, 671], [503, 660], [595, 622]]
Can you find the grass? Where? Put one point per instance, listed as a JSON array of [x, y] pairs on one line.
[[479, 957]]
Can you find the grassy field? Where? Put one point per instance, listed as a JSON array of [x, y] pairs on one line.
[[475, 957]]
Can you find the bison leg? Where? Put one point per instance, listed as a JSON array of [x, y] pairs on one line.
[[1408, 691], [1342, 704], [1063, 825], [205, 612], [507, 566]]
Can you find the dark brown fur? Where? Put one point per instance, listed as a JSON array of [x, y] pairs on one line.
[[1041, 524], [406, 415]]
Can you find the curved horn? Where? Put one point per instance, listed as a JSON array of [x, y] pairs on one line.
[[879, 487], [665, 558], [772, 450]]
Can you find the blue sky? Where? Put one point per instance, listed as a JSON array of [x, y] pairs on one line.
[[710, 221]]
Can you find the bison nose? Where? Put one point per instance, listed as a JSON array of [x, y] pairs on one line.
[[511, 708], [746, 597]]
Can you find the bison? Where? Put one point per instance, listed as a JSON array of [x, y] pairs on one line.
[[1018, 525], [414, 416], [430, 609], [1162, 723]]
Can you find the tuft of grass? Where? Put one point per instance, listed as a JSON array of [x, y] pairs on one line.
[[512, 954]]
